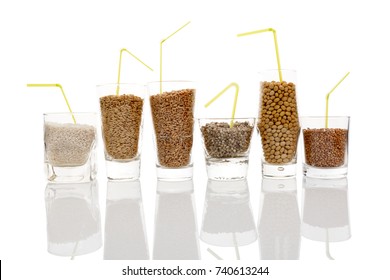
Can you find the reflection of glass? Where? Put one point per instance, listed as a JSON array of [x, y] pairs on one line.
[[73, 218], [227, 215], [325, 210], [125, 233], [279, 221], [175, 232]]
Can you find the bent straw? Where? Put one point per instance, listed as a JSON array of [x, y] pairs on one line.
[[161, 44], [275, 43], [63, 94], [120, 66], [327, 246], [327, 99], [236, 246], [234, 103]]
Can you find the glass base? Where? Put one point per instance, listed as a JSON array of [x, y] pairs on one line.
[[174, 174], [335, 234], [77, 248], [73, 174], [227, 168], [275, 170], [123, 170], [325, 173]]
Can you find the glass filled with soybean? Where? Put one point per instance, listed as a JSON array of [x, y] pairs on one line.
[[278, 122]]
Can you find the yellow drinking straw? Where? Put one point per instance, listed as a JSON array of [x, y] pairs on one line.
[[234, 103], [275, 43], [327, 99], [161, 44], [63, 94], [120, 67]]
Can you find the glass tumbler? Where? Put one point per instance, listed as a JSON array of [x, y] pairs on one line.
[[172, 108], [70, 145], [325, 146], [121, 109], [278, 123], [226, 144]]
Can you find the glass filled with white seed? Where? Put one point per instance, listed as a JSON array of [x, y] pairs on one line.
[[226, 144], [70, 144], [121, 110], [278, 123], [325, 142]]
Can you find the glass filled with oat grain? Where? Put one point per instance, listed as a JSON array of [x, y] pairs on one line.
[[121, 110], [172, 108], [325, 146], [70, 142], [226, 144]]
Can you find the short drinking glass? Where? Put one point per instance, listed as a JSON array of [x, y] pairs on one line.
[[226, 144], [70, 144], [326, 146]]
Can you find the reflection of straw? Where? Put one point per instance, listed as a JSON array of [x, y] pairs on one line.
[[236, 246], [275, 43], [63, 94], [77, 242], [327, 99], [161, 44], [327, 246], [120, 66], [74, 250], [214, 254], [234, 103]]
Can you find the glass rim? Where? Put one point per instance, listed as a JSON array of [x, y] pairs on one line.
[[276, 69], [115, 84], [68, 113], [170, 81], [243, 118], [324, 117]]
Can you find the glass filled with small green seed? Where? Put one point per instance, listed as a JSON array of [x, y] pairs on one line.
[[325, 142], [278, 123], [226, 144]]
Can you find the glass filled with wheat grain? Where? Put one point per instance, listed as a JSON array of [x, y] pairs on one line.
[[172, 109], [121, 110]]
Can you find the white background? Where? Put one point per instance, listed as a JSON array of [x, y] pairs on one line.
[[77, 44]]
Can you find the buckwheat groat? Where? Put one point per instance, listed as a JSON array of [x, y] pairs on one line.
[[325, 147]]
